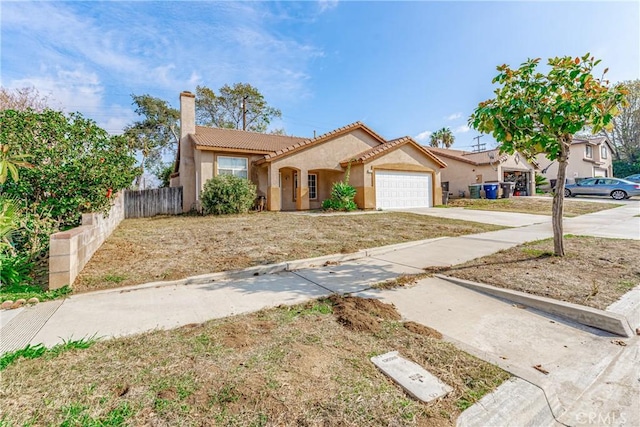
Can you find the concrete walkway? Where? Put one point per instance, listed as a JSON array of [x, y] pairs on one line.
[[585, 368]]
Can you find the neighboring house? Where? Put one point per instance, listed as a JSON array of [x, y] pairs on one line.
[[297, 173], [465, 168], [588, 158]]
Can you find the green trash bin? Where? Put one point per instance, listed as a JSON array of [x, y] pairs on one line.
[[474, 191]]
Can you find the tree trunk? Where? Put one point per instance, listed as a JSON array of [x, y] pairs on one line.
[[557, 209]]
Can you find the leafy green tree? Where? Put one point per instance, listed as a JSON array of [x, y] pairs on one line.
[[75, 163], [163, 173], [240, 106], [442, 137], [155, 135], [625, 135], [536, 113]]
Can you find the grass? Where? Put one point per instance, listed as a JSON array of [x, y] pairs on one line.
[[170, 248], [595, 271], [14, 293], [284, 366], [40, 351], [536, 206]]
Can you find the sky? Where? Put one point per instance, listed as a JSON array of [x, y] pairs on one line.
[[402, 68]]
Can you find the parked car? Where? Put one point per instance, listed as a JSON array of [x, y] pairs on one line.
[[634, 178], [615, 187]]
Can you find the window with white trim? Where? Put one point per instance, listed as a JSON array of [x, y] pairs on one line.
[[588, 151], [312, 184], [236, 166], [603, 151]]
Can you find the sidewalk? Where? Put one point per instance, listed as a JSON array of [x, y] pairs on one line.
[[603, 369]]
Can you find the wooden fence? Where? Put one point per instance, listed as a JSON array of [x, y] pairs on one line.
[[157, 201]]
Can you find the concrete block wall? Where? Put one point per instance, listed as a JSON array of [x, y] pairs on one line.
[[71, 250]]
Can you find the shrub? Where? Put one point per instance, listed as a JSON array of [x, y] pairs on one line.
[[342, 198], [228, 194]]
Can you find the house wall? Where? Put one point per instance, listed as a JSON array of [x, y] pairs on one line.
[[460, 175], [408, 158], [579, 165]]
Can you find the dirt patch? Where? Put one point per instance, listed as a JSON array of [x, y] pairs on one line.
[[169, 248], [362, 314], [536, 206], [595, 272], [419, 329], [299, 367]]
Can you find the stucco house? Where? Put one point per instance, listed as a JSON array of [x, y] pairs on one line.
[[465, 168], [295, 173], [588, 158]]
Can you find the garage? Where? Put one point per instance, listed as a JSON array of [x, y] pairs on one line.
[[403, 189]]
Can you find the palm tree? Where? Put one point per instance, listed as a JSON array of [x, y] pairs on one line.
[[446, 137], [442, 137], [435, 139]]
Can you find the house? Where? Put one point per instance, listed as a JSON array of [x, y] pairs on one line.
[[465, 168], [588, 158], [295, 173]]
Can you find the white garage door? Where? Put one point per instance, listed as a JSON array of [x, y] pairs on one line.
[[397, 189]]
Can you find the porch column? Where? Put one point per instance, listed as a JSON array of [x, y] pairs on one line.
[[273, 188], [302, 193]]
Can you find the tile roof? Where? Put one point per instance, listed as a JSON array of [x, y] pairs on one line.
[[242, 140], [473, 158], [378, 150]]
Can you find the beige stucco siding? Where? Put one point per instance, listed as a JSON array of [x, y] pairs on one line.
[[405, 158], [579, 165], [329, 154]]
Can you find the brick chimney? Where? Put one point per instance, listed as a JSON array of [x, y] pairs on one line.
[[187, 165]]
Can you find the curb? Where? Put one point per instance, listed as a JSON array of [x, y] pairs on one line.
[[610, 322]]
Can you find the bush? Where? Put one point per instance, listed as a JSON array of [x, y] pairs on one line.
[[14, 270], [228, 194], [342, 198]]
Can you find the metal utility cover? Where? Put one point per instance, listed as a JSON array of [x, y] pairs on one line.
[[412, 377]]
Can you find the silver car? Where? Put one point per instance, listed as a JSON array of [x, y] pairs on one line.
[[615, 187]]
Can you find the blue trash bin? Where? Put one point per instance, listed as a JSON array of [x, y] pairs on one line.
[[491, 191]]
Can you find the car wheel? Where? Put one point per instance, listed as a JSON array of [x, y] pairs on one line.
[[618, 194], [567, 193]]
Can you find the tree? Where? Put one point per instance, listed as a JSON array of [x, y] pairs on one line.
[[156, 134], [536, 113], [442, 137], [75, 163], [240, 106], [625, 135], [22, 99]]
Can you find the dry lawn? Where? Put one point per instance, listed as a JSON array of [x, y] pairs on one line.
[[286, 366], [539, 206], [170, 248], [595, 272]]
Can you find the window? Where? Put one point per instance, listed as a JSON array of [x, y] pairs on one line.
[[236, 166], [312, 184], [603, 151], [588, 151]]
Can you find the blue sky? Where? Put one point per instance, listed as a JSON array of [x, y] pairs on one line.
[[403, 68]]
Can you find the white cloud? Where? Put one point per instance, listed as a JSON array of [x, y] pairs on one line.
[[462, 129], [327, 4], [454, 116], [423, 136]]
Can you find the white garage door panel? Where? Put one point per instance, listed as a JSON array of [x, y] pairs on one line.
[[396, 189]]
